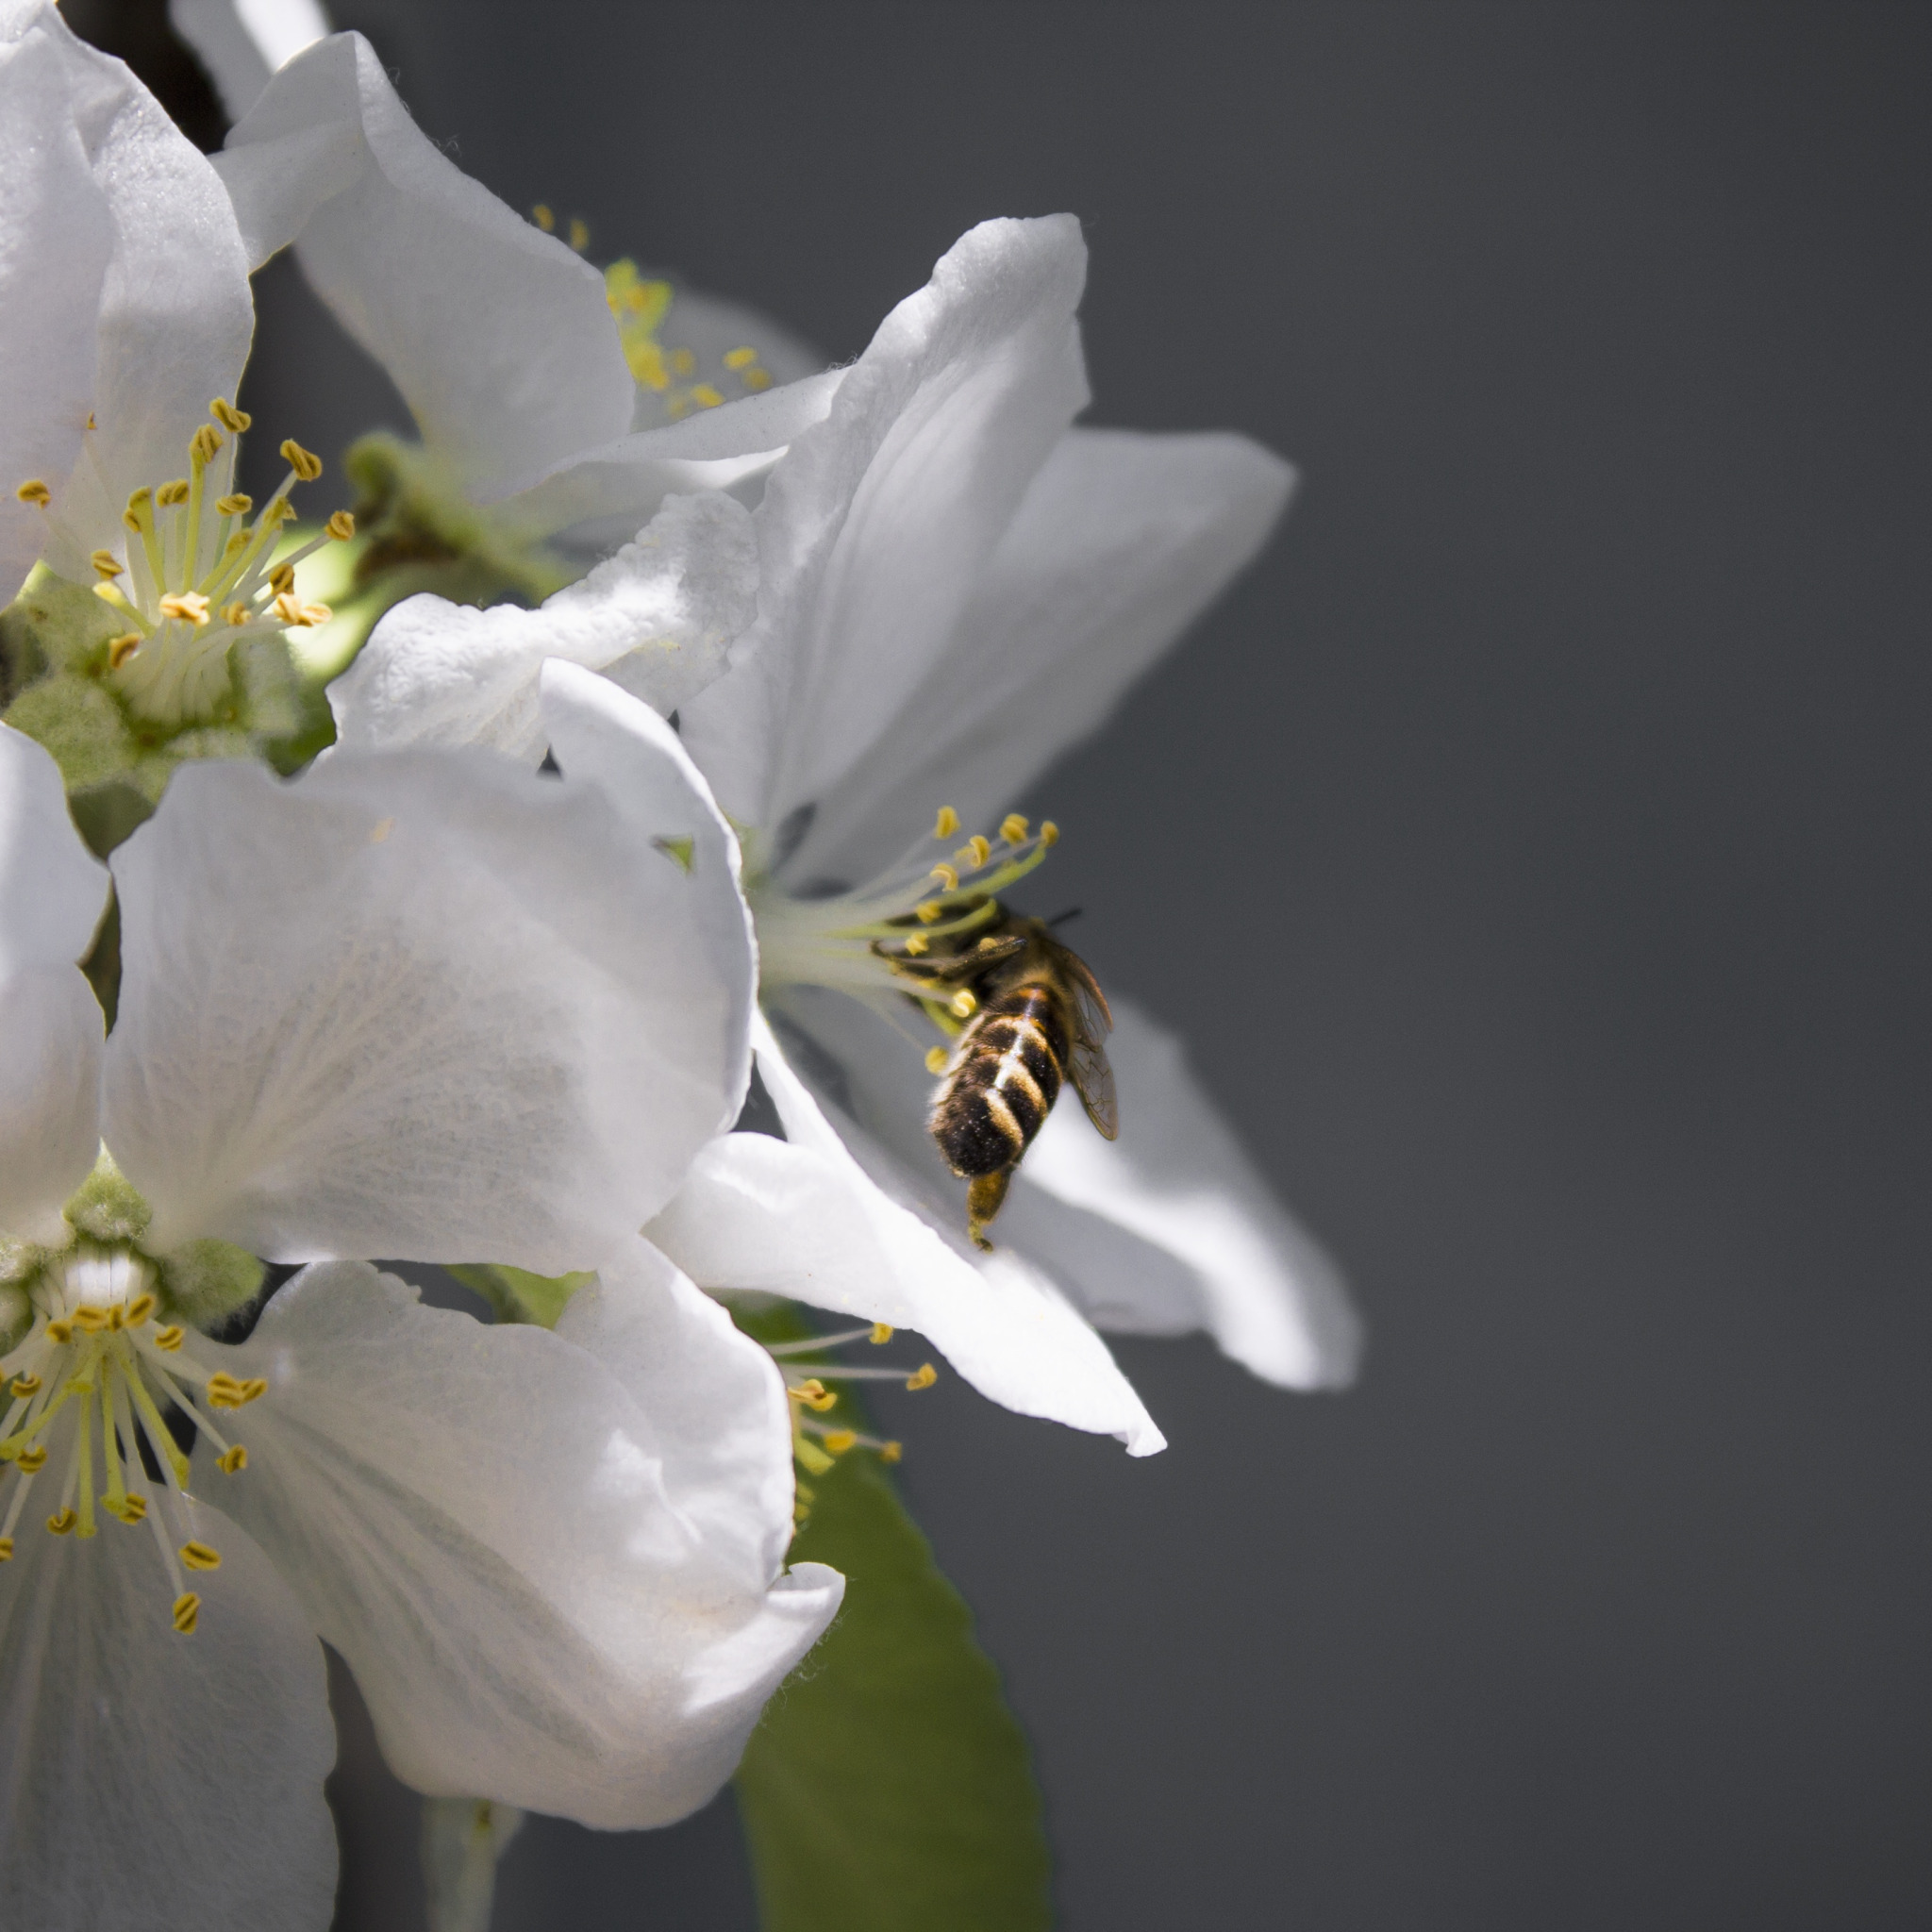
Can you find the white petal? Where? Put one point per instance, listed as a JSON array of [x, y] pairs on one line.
[[174, 317], [595, 499], [875, 528], [1120, 544], [1219, 1252], [415, 1004], [50, 1097], [655, 617], [55, 239], [51, 894], [149, 1779], [803, 1218], [517, 1557], [603, 736], [52, 888], [242, 41], [498, 335]]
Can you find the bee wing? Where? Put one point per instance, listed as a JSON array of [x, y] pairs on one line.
[[1093, 1022]]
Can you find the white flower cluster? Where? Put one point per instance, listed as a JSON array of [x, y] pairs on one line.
[[489, 981]]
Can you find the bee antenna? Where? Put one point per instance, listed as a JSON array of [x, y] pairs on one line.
[[1062, 918]]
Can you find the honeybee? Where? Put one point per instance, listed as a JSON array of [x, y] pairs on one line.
[[1038, 1019]]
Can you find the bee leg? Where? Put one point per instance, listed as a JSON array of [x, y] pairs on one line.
[[983, 1200]]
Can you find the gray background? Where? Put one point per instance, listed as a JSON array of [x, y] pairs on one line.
[[1535, 845]]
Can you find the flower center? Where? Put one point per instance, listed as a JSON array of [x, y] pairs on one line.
[[909, 930], [201, 575], [90, 1391]]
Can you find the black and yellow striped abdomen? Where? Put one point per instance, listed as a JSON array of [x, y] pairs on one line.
[[1004, 1077]]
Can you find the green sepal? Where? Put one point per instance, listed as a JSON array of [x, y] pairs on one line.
[[518, 1295], [888, 1784], [204, 1282]]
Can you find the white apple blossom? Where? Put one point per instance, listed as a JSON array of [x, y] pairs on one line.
[[954, 585], [420, 1006], [568, 402]]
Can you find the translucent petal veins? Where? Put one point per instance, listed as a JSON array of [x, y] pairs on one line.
[[88, 1390]]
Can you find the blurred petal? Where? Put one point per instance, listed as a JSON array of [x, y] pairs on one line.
[[150, 1780], [416, 1004], [1120, 544], [56, 240], [498, 335], [655, 618], [241, 42], [876, 526], [804, 1218], [1224, 1255], [514, 1554]]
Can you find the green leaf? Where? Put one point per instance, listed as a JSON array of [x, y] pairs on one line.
[[518, 1295], [888, 1784]]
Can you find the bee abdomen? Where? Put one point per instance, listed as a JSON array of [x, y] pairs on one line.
[[1005, 1079]]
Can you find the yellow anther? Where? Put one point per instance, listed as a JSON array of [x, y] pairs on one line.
[[281, 580], [137, 501], [580, 234], [6, 1549], [132, 1509], [25, 1385], [948, 875], [923, 1377], [305, 462], [804, 1391], [974, 853], [892, 1452], [1012, 828], [114, 1317], [105, 563], [936, 1058], [170, 494], [756, 378], [543, 218], [235, 506], [91, 1320], [229, 417], [186, 1612], [122, 648], [204, 445], [740, 359], [341, 526], [1049, 833], [881, 1334], [236, 613], [683, 362], [234, 1461], [928, 912], [167, 1339], [33, 490], [289, 610], [61, 1523], [190, 606], [962, 1006], [32, 1461], [224, 1391], [280, 511], [837, 1440], [947, 824], [60, 1331], [916, 944], [201, 1556], [138, 1310], [706, 396], [256, 1385]]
